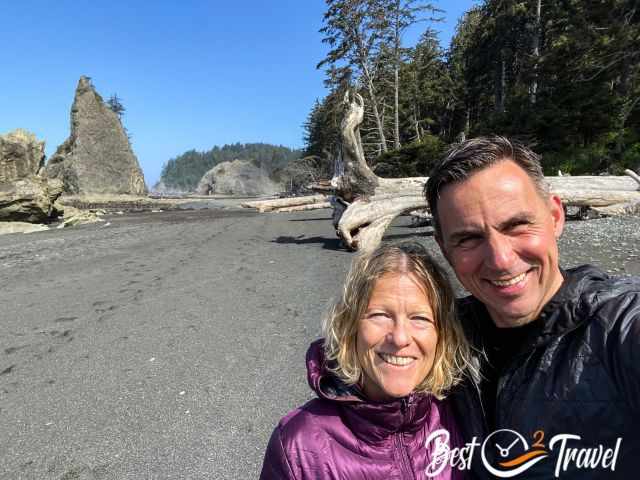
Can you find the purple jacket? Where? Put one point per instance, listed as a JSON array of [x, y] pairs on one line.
[[341, 436]]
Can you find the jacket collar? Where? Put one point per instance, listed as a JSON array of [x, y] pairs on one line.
[[370, 421], [567, 310]]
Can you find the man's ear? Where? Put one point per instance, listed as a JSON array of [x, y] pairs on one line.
[[557, 214]]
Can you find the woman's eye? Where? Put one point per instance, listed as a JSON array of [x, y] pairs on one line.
[[422, 320]]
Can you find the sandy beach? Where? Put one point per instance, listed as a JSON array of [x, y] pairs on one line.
[[168, 345]]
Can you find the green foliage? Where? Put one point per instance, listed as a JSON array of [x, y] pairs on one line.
[[576, 160], [302, 172], [115, 104], [185, 171], [631, 158], [412, 160], [564, 76]]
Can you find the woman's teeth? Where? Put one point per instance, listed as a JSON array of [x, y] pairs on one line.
[[394, 360]]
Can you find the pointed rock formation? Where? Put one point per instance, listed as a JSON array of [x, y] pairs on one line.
[[239, 177], [97, 157]]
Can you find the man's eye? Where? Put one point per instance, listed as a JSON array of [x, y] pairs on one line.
[[468, 242], [521, 223]]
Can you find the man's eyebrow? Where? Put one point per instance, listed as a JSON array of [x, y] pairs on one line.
[[466, 232], [516, 219]]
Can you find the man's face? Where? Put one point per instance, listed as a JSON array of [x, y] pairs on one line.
[[500, 236]]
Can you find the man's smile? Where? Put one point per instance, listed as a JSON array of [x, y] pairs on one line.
[[510, 281]]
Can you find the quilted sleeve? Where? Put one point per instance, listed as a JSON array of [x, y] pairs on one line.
[[626, 350], [276, 464]]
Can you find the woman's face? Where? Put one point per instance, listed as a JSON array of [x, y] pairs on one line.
[[397, 337]]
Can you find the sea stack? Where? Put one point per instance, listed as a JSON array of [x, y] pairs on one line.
[[97, 157], [239, 177]]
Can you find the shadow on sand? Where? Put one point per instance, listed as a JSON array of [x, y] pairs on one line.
[[336, 244], [326, 243], [311, 219]]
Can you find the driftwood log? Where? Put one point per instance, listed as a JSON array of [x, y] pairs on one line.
[[364, 204], [368, 203], [309, 202]]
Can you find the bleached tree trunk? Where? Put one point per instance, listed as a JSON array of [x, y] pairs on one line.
[[304, 208], [536, 52], [396, 77], [279, 203], [396, 107], [501, 85], [374, 103]]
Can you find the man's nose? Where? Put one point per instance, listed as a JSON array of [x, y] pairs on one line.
[[399, 335], [499, 254]]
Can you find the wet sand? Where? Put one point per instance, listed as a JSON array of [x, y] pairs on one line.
[[167, 345]]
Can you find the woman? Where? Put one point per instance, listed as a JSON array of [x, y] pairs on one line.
[[392, 350]]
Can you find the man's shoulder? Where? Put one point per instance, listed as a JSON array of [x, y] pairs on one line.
[[593, 280], [600, 292], [608, 305]]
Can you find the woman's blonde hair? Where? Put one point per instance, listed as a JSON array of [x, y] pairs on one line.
[[452, 356]]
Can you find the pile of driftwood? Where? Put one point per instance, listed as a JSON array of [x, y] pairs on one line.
[[364, 204]]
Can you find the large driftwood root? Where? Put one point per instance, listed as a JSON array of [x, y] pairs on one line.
[[364, 205], [370, 203], [633, 175], [362, 215], [364, 222]]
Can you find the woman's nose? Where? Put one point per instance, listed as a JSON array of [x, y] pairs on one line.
[[399, 336]]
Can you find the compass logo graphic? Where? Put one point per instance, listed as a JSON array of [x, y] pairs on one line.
[[506, 453]]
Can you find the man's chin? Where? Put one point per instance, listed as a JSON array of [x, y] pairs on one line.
[[506, 316]]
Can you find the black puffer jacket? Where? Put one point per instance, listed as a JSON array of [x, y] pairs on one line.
[[580, 375]]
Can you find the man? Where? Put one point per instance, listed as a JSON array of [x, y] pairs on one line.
[[559, 350]]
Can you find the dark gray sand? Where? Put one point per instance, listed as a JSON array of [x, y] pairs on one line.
[[167, 345]]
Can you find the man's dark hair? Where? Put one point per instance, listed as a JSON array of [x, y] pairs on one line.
[[466, 158]]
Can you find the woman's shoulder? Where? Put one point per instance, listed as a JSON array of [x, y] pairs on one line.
[[315, 416], [298, 439]]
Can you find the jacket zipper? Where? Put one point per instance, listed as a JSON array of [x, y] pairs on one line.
[[405, 464]]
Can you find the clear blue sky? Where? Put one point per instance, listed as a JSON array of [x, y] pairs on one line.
[[191, 74]]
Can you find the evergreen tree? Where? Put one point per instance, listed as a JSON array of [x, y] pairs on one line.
[[185, 171], [564, 75], [115, 104]]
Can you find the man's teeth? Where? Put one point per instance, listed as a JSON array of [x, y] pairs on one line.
[[393, 360], [511, 281]]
